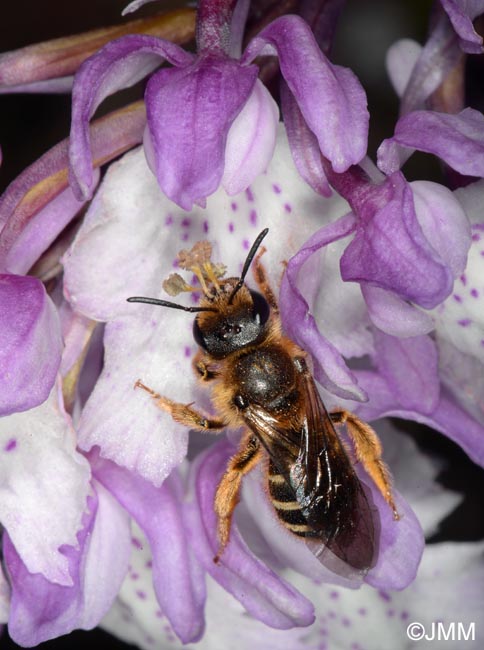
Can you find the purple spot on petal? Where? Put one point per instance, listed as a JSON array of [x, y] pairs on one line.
[[195, 296], [149, 564], [331, 614], [482, 253], [11, 444], [463, 279], [478, 226], [186, 222], [355, 646], [205, 226], [185, 236], [141, 594], [474, 293], [457, 298], [233, 205], [464, 322], [159, 614], [482, 342], [334, 595], [287, 208], [231, 227], [168, 220], [246, 244], [249, 195], [404, 615], [390, 613], [253, 217], [476, 237], [384, 595], [323, 631], [276, 188], [134, 576], [362, 611], [345, 622], [136, 543], [188, 351]]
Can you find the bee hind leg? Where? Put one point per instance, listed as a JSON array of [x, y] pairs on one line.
[[368, 451], [183, 413], [228, 490]]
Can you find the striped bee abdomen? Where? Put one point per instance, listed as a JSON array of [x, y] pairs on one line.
[[285, 504]]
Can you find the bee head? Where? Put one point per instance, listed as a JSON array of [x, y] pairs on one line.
[[231, 316], [233, 325]]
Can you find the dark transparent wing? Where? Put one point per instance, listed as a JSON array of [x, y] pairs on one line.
[[315, 465], [331, 496]]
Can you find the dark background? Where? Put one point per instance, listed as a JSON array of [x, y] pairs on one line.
[[30, 124]]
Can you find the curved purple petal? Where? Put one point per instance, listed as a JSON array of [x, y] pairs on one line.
[[393, 315], [411, 369], [31, 347], [461, 13], [331, 370], [41, 610], [448, 417], [457, 139], [402, 543], [119, 64], [190, 111], [389, 249], [330, 97], [304, 145], [250, 141], [263, 594], [41, 192], [443, 222], [178, 583]]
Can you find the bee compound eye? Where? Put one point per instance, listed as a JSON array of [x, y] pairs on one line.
[[198, 335], [261, 309]]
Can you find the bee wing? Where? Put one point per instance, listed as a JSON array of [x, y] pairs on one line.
[[315, 465], [331, 496]]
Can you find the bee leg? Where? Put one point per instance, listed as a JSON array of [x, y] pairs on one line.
[[262, 281], [227, 495], [204, 370], [183, 413], [368, 451]]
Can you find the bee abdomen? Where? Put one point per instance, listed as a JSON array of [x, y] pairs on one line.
[[285, 504]]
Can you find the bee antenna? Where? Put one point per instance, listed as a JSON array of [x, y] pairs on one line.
[[248, 262], [167, 303]]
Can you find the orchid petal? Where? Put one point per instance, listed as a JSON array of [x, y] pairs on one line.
[[304, 145], [35, 201], [156, 345], [443, 222], [41, 610], [460, 319], [400, 61], [250, 141], [31, 344], [410, 367], [5, 593], [119, 64], [393, 315], [389, 249], [461, 13], [177, 580], [330, 97], [59, 57], [190, 112], [457, 139], [264, 595], [448, 418], [300, 325], [44, 489]]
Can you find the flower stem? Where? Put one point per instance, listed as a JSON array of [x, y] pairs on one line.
[[213, 25]]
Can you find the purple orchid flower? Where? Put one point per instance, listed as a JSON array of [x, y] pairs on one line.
[[210, 120]]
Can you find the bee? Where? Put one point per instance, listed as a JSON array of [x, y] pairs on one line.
[[261, 381]]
